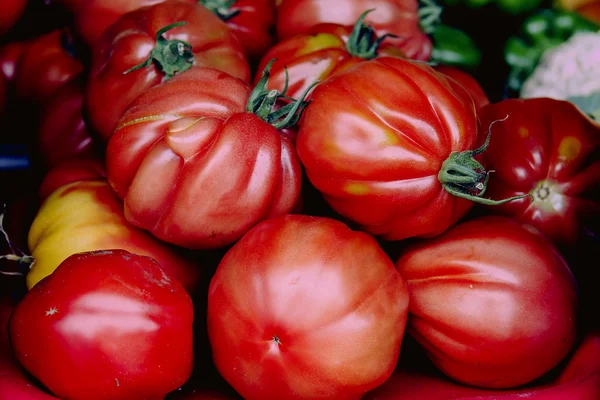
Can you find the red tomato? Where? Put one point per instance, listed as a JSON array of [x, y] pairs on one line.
[[69, 171], [468, 82], [10, 12], [323, 51], [93, 17], [132, 42], [387, 142], [10, 54], [63, 133], [117, 326], [492, 302], [251, 21], [549, 149], [194, 167], [398, 17], [46, 65], [304, 307]]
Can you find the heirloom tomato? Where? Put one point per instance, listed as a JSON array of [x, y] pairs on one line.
[[304, 307], [199, 159], [492, 302], [551, 150], [46, 64], [10, 12], [397, 17], [323, 51], [388, 144], [468, 82], [112, 324], [150, 45], [69, 171]]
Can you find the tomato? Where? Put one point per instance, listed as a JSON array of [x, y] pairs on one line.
[[139, 40], [10, 12], [195, 168], [549, 149], [114, 322], [398, 17], [468, 82], [387, 143], [251, 21], [10, 55], [493, 303], [304, 307], [47, 64], [93, 17], [323, 51], [69, 171], [85, 216], [63, 134]]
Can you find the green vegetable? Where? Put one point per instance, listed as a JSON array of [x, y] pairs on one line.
[[542, 31], [510, 6], [453, 47]]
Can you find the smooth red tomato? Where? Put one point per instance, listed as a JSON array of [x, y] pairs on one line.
[[10, 54], [304, 307], [137, 40], [10, 12], [468, 82], [398, 17], [387, 143], [493, 303], [46, 65], [63, 134], [106, 324], [547, 148], [323, 51], [69, 171], [197, 169]]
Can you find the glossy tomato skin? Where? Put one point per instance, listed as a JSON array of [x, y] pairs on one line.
[[308, 308], [93, 17], [398, 17], [46, 65], [550, 149], [129, 42], [491, 301], [194, 168], [10, 54], [373, 140], [69, 171], [467, 81], [117, 325], [10, 12]]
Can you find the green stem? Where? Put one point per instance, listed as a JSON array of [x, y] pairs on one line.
[[430, 15], [363, 41], [221, 8], [22, 259]]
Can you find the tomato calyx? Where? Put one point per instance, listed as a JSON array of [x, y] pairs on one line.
[[16, 255], [363, 41], [221, 8], [430, 15], [169, 56], [263, 102], [463, 176]]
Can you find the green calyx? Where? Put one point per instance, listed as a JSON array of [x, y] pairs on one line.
[[463, 176], [363, 41], [262, 102], [222, 8], [169, 56], [16, 255], [430, 15]]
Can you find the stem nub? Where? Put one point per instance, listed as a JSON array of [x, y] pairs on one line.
[[463, 176], [363, 41], [221, 8]]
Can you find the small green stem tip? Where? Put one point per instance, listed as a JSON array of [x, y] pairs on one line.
[[221, 8], [363, 41]]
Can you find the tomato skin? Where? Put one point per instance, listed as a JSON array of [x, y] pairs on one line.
[[371, 142], [275, 283], [69, 171], [117, 325], [550, 149], [194, 130], [129, 42], [46, 65], [10, 12], [493, 303], [398, 17], [468, 82], [10, 54], [93, 17]]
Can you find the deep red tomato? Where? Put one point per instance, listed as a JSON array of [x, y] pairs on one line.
[[323, 51], [117, 326], [398, 17], [10, 12], [197, 169], [69, 171], [468, 82], [387, 143], [304, 307], [146, 38], [10, 54], [46, 65], [492, 302], [549, 149], [63, 133]]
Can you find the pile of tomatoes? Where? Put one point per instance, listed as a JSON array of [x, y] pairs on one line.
[[297, 199]]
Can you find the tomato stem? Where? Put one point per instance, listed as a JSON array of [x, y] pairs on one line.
[[221, 8], [430, 15], [169, 56], [17, 255], [363, 41], [463, 176]]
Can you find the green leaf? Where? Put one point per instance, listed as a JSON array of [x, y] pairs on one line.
[[588, 104]]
